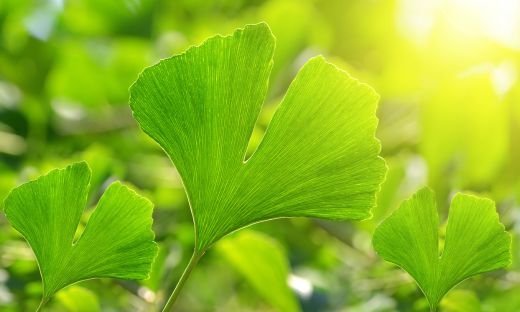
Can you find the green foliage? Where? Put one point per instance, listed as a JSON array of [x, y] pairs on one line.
[[475, 242], [70, 296], [117, 241], [449, 117], [470, 147], [263, 263], [318, 158], [77, 65], [460, 300]]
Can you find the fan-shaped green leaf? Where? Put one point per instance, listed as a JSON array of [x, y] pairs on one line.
[[475, 242], [117, 241], [318, 158]]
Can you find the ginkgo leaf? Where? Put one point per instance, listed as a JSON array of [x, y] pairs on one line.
[[117, 241], [71, 296], [460, 300], [476, 242], [263, 263], [318, 157]]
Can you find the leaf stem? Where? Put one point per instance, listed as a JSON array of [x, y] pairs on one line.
[[195, 257], [42, 303]]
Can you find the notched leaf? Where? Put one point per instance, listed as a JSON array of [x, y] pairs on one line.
[[117, 242], [318, 158], [476, 242]]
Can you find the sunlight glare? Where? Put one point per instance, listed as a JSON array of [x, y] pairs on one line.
[[496, 20]]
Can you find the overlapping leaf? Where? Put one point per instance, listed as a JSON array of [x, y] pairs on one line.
[[117, 241], [263, 263], [475, 242], [318, 158]]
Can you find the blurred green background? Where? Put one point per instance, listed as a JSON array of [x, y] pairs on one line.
[[449, 117]]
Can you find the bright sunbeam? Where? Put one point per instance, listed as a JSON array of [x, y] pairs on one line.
[[496, 20]]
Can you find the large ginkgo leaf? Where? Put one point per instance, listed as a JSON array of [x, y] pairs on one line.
[[318, 158]]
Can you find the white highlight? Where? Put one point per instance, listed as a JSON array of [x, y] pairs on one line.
[[301, 285]]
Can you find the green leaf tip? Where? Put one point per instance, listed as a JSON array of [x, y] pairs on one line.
[[476, 241], [318, 158], [117, 241]]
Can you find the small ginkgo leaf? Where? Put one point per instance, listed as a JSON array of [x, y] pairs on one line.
[[117, 241], [476, 242], [318, 158]]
